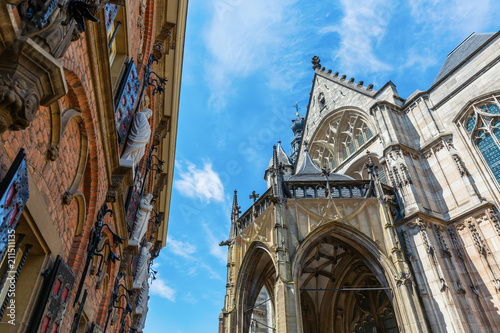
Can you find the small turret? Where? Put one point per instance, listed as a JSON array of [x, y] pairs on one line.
[[235, 215], [284, 160], [297, 129]]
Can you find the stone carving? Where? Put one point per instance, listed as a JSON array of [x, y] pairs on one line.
[[460, 165], [316, 62], [141, 28], [442, 243], [405, 174], [142, 272], [444, 286], [478, 241], [460, 288], [425, 237], [396, 181], [408, 244], [403, 278], [138, 138], [18, 104], [454, 241], [114, 188], [52, 152], [142, 302], [141, 220], [142, 321], [167, 33], [494, 218], [67, 197]]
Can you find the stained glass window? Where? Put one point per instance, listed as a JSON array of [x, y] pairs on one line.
[[483, 126], [381, 175], [491, 153], [368, 133], [471, 123], [361, 139], [491, 109]]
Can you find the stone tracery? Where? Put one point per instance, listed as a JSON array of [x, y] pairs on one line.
[[339, 138]]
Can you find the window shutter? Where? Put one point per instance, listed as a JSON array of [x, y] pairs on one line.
[[125, 100], [53, 299], [14, 194]]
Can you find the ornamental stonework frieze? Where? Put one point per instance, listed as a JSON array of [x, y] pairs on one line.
[[32, 40], [167, 34], [408, 245], [18, 103], [115, 188], [442, 243]]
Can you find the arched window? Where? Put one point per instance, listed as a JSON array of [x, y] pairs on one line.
[[482, 122], [339, 137]]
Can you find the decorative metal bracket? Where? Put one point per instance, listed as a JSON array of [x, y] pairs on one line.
[[93, 246]]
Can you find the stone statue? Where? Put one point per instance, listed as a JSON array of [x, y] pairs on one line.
[[18, 104], [142, 271], [138, 137], [141, 220], [142, 321], [142, 303]]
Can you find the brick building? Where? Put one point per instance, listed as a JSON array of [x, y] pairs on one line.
[[89, 96]]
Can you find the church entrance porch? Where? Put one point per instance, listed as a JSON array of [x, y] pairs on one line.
[[340, 293]]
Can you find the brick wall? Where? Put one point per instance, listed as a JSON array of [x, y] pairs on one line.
[[53, 178]]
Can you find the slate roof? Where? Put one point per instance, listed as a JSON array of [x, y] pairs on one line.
[[462, 52], [309, 171], [282, 157]]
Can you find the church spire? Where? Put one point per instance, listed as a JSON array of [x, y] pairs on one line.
[[235, 215]]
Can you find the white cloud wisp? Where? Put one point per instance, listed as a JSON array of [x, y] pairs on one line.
[[204, 184], [363, 26]]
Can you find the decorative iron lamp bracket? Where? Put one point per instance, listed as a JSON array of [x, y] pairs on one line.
[[93, 246]]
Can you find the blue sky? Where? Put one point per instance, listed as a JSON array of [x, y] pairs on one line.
[[246, 64]]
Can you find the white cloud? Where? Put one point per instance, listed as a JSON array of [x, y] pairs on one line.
[[160, 288], [456, 16], [420, 58], [189, 298], [193, 263], [219, 252], [242, 37], [183, 249], [363, 26], [204, 183]]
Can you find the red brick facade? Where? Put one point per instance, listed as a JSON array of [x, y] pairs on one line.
[[72, 157]]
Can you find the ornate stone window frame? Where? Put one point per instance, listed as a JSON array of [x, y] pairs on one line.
[[474, 120], [337, 139]]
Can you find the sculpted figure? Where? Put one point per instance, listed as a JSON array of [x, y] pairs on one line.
[[138, 137], [142, 303], [142, 321], [141, 220], [142, 271], [18, 104]]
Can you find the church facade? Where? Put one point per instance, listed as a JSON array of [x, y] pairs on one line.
[[386, 215], [89, 98]]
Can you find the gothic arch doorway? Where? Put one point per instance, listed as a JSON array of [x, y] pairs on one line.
[[340, 291], [256, 292]]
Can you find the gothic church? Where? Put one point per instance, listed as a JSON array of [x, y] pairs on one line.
[[385, 218]]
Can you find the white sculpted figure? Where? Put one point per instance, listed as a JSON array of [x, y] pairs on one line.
[[142, 321], [142, 272], [138, 137], [142, 303], [141, 220]]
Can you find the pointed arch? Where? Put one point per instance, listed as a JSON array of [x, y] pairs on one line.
[[360, 261], [258, 270]]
